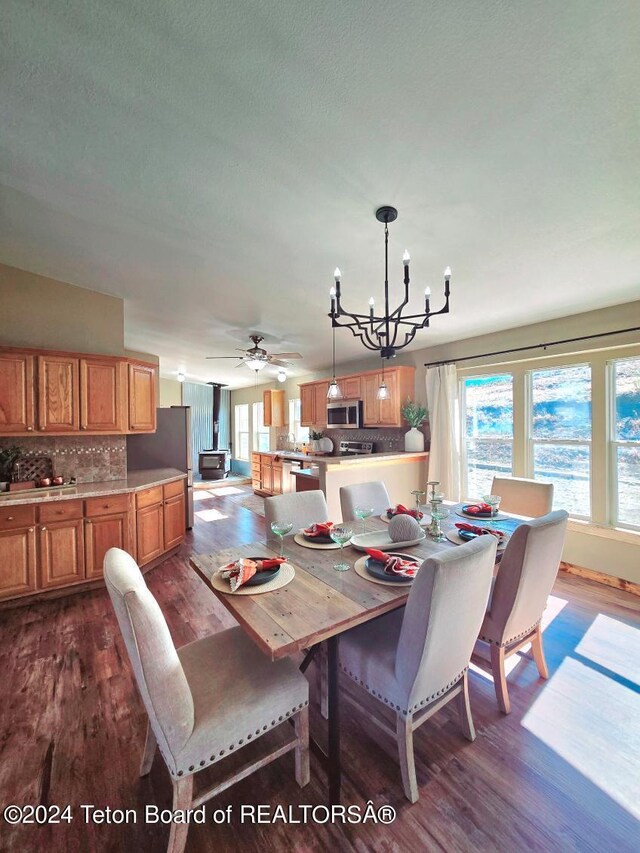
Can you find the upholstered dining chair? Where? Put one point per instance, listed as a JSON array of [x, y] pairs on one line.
[[373, 495], [415, 659], [523, 497], [301, 508], [522, 586], [207, 699]]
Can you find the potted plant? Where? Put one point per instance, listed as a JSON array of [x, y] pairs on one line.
[[8, 458], [415, 416], [314, 440]]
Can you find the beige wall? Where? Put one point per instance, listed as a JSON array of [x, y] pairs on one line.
[[170, 393], [42, 312]]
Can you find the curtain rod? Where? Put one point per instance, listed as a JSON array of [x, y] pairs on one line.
[[533, 346]]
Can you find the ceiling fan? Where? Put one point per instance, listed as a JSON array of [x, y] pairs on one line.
[[256, 357]]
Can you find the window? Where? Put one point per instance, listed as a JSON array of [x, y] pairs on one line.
[[261, 434], [625, 441], [560, 434], [488, 431], [300, 434], [241, 420]]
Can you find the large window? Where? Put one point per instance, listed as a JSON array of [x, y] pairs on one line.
[[300, 434], [488, 431], [241, 420], [625, 441], [261, 436], [560, 434]]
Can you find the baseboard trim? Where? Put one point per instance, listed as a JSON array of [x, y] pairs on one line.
[[601, 577]]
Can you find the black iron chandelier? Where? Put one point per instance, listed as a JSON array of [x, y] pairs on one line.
[[391, 331]]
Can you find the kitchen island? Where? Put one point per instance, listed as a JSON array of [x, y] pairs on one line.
[[400, 472]]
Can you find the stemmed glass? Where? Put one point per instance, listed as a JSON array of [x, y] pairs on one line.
[[421, 496], [340, 536], [281, 528], [494, 502], [438, 513], [363, 513]]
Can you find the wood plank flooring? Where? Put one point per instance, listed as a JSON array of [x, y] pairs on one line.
[[560, 773]]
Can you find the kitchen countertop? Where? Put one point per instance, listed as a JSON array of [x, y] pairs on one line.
[[325, 461], [135, 481]]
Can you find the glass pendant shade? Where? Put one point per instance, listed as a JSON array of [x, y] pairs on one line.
[[334, 391], [383, 392], [256, 364]]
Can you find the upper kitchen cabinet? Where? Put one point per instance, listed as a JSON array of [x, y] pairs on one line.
[[273, 408], [307, 404], [58, 394], [400, 382], [142, 397], [351, 387], [102, 395], [16, 393], [321, 390]]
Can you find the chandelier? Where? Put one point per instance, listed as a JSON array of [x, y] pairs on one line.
[[389, 332]]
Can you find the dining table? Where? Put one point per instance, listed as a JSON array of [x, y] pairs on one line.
[[317, 606]]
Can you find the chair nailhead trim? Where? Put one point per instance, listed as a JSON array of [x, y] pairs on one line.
[[405, 711], [508, 642], [249, 736]]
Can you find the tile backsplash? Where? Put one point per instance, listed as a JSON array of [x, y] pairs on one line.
[[385, 439], [90, 459]]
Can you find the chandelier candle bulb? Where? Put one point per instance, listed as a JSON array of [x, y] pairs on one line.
[[406, 257]]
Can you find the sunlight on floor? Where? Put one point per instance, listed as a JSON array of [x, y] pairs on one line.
[[210, 515], [201, 495], [589, 711], [228, 490]]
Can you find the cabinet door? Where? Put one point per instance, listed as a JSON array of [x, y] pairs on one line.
[[150, 533], [307, 405], [61, 553], [174, 522], [390, 408], [371, 404], [266, 408], [277, 408], [276, 481], [17, 562], [266, 476], [102, 533], [351, 388], [142, 398], [321, 389], [16, 393], [101, 395], [58, 394]]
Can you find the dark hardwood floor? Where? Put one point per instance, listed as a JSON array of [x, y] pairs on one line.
[[562, 772]]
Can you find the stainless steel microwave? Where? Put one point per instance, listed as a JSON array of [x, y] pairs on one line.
[[344, 414]]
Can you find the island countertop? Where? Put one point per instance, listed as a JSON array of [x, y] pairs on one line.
[[135, 481], [329, 461]]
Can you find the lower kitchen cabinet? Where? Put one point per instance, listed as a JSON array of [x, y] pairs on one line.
[[17, 561], [102, 533], [266, 474], [160, 521], [61, 553], [150, 533], [173, 525]]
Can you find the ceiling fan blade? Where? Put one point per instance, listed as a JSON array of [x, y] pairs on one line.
[[222, 356], [279, 363], [286, 355]]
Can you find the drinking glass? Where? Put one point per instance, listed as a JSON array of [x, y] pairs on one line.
[[438, 513], [341, 535], [421, 497], [494, 502], [363, 513], [281, 528]]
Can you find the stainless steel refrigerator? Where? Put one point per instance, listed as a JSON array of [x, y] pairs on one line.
[[168, 447]]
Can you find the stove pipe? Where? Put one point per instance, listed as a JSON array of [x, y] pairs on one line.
[[215, 414]]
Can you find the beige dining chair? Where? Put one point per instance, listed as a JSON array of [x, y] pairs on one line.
[[415, 659], [522, 586], [523, 497], [372, 495], [207, 699], [300, 508]]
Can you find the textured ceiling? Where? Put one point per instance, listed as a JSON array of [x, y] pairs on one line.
[[212, 162]]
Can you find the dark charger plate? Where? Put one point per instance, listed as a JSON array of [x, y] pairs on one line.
[[465, 508], [468, 535], [262, 577], [376, 569], [319, 540]]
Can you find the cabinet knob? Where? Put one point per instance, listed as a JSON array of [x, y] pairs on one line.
[[88, 520], [29, 429], [43, 528], [10, 517], [41, 428], [59, 512], [83, 426], [31, 530]]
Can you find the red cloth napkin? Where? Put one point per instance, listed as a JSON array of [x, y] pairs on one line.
[[394, 565], [241, 571], [322, 528], [400, 509], [473, 509], [472, 528]]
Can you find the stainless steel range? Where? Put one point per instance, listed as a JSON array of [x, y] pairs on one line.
[[355, 448]]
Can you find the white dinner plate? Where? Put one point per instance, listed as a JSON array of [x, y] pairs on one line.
[[381, 540]]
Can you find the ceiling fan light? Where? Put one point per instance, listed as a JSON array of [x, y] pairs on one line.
[[282, 376], [383, 392], [180, 376], [256, 364]]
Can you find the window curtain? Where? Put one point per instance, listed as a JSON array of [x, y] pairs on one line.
[[200, 398], [224, 429], [444, 423]]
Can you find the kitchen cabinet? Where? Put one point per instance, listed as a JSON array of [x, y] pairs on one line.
[[16, 393], [102, 398], [276, 480], [142, 397], [61, 547], [58, 394], [400, 383], [273, 408], [160, 520], [149, 533], [351, 387], [17, 551], [321, 389], [107, 525], [173, 514], [266, 474], [307, 405]]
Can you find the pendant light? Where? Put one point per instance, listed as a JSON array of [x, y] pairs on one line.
[[334, 392], [383, 391]]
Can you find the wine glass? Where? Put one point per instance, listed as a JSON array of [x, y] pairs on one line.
[[363, 513], [281, 528], [340, 535], [438, 513], [494, 502], [421, 497]]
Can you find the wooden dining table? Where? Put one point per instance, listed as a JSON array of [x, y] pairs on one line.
[[317, 606]]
